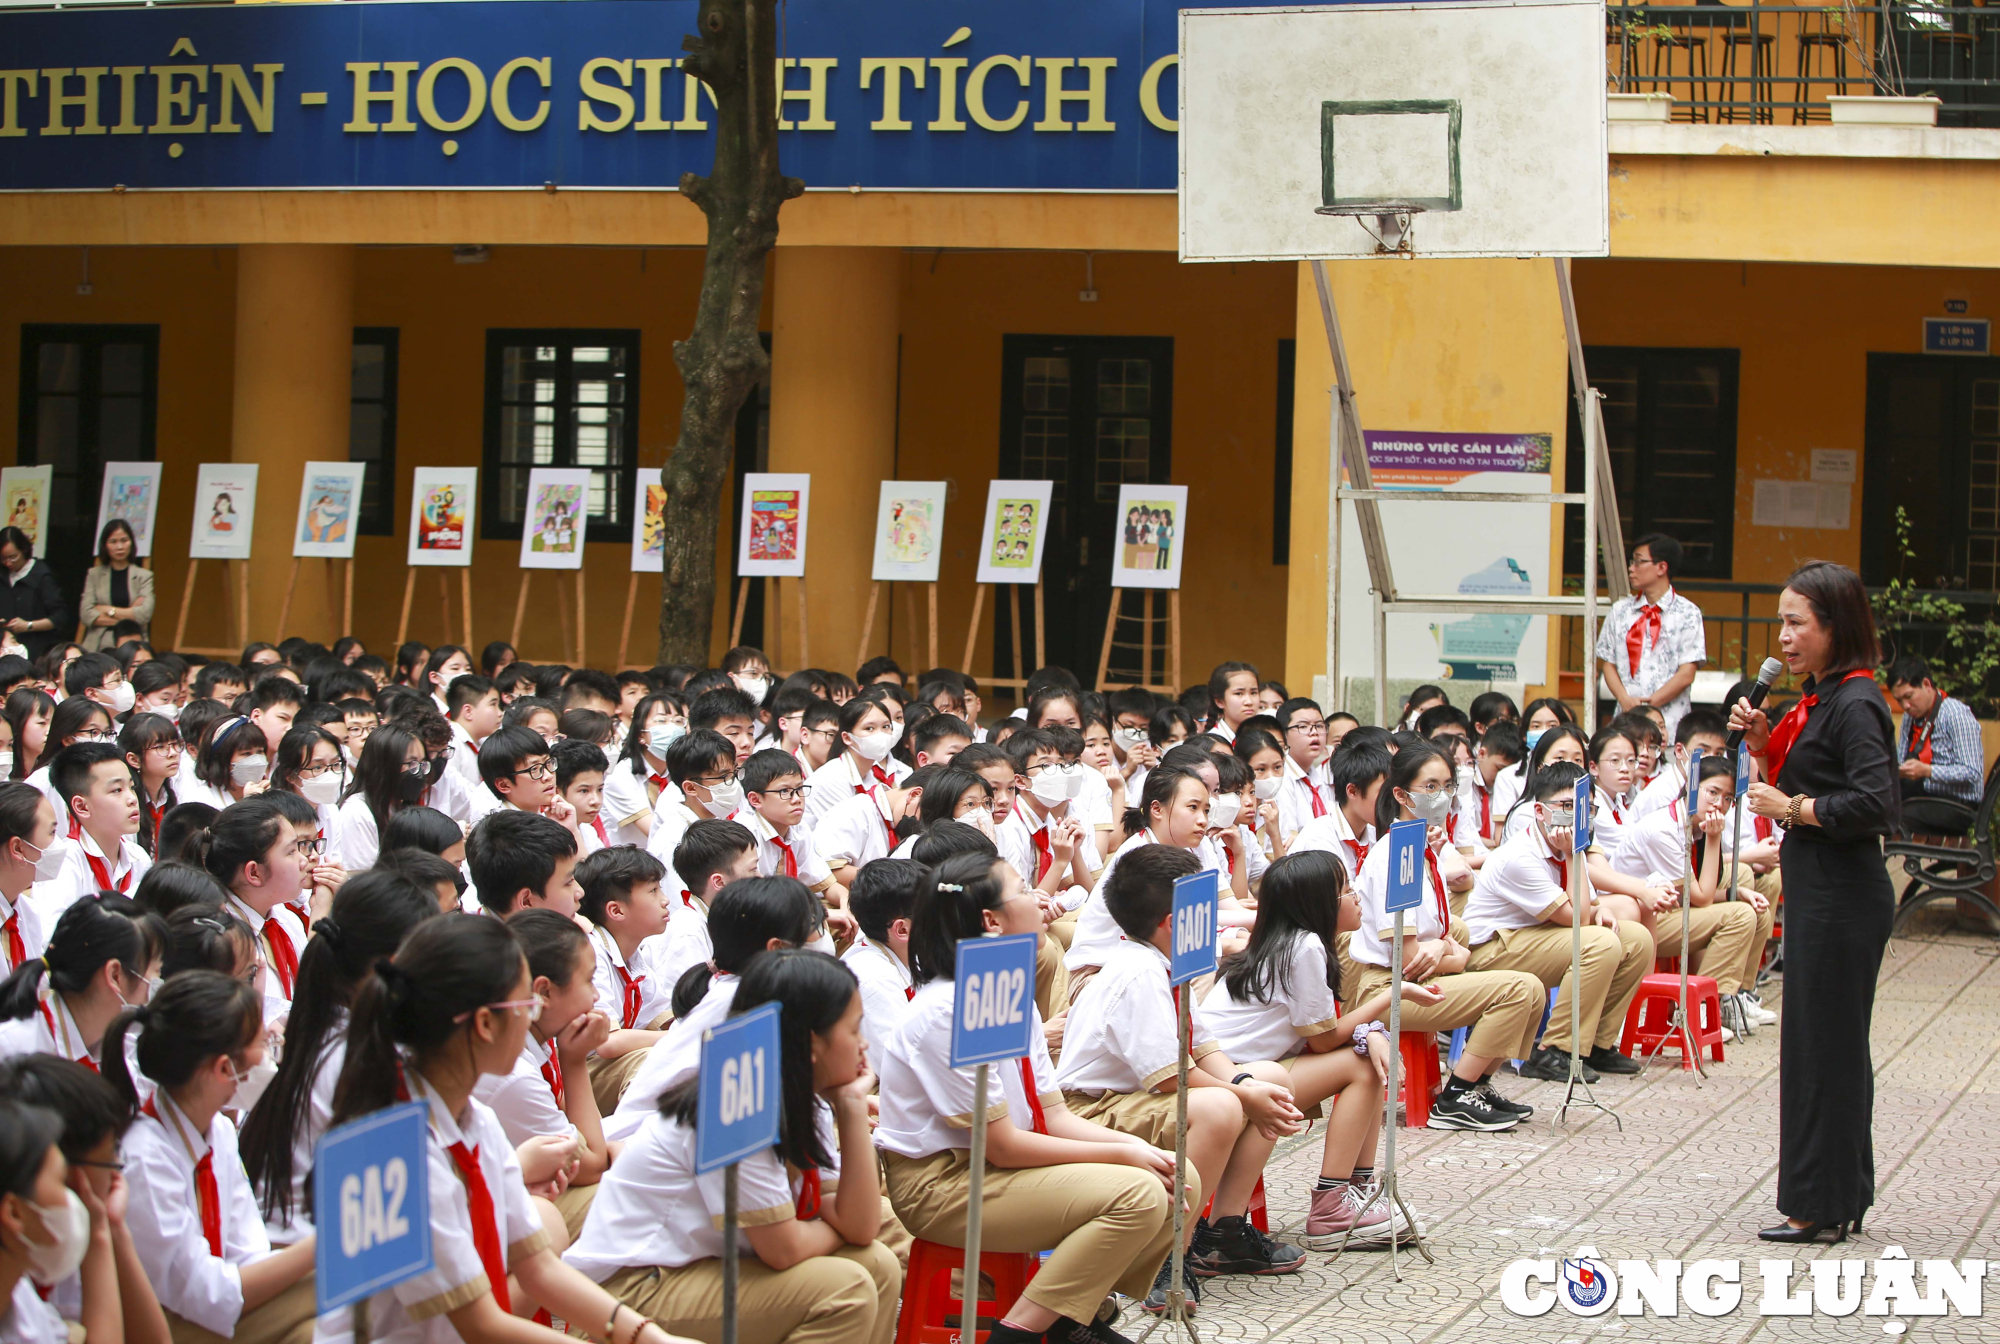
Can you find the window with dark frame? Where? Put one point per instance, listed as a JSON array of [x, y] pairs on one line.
[[1281, 488], [561, 398], [371, 426]]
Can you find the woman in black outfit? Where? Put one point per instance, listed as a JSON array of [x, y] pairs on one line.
[[1833, 759]]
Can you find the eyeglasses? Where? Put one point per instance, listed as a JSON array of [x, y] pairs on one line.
[[822, 732], [312, 849], [716, 781], [545, 771], [798, 793], [422, 767], [1316, 726], [315, 771], [533, 1005], [100, 1166]]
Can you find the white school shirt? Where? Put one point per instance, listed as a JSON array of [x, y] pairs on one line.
[[1751, 821], [75, 879], [1015, 838], [318, 1119], [886, 992], [1654, 848], [414, 1311], [1430, 920], [854, 830], [464, 758], [523, 1099], [625, 802], [685, 943], [1276, 1028], [652, 1210], [1301, 790], [1608, 819], [1092, 805], [51, 1030], [655, 990], [1508, 786], [1121, 1035], [277, 1000], [671, 820], [1668, 786], [22, 913], [30, 1320], [1333, 834], [926, 1105], [452, 796], [1466, 831], [1096, 931], [39, 777], [353, 842], [1516, 884], [481, 802], [674, 1058], [838, 780], [811, 869], [160, 1152], [1255, 859]]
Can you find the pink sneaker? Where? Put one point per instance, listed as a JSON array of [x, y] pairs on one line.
[[1336, 1216]]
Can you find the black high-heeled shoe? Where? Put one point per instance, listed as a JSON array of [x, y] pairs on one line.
[[1790, 1235]]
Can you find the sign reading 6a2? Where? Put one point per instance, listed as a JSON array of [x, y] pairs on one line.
[[370, 1180]]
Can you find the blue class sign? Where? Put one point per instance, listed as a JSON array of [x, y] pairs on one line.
[[1694, 784], [1197, 900], [1586, 817], [994, 1015], [1957, 336], [1742, 771], [371, 1200], [1406, 866], [741, 1089]]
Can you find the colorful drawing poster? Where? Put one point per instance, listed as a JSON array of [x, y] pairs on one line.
[[329, 495], [441, 506], [24, 499], [773, 540], [649, 522], [909, 525], [131, 492], [225, 508], [558, 513], [1152, 536], [1010, 545]]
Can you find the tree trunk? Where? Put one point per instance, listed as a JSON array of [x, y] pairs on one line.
[[722, 359]]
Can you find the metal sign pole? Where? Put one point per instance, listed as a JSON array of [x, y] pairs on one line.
[[729, 1254], [1177, 1304], [1578, 1092], [1687, 912], [968, 1306]]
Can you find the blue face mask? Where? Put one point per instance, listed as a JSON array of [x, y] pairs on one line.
[[1534, 736]]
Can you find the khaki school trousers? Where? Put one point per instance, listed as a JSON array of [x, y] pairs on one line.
[[1722, 938], [1503, 1008], [1613, 962], [574, 1206], [848, 1297], [1051, 980], [285, 1319], [610, 1077], [1109, 1225], [1064, 930]]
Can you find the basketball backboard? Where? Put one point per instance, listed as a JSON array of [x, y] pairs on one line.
[[1441, 128]]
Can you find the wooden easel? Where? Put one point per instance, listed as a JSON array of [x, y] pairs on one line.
[[1171, 634], [773, 627], [236, 577], [444, 596], [562, 614], [910, 607], [625, 628], [346, 625], [1019, 681]]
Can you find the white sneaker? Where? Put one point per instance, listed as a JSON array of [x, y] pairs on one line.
[[1759, 1015], [1727, 1035]]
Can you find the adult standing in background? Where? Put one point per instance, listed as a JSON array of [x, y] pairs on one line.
[[1654, 640], [1942, 760], [31, 606], [115, 589], [1833, 760]]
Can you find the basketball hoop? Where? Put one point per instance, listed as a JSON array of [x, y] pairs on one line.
[[1392, 222]]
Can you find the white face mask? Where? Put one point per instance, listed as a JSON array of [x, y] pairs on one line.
[[1431, 808], [1129, 739], [6, 764], [49, 1263], [321, 790], [980, 819], [724, 799], [122, 696], [823, 944], [663, 735], [1051, 786], [1267, 789], [48, 862], [754, 687], [1223, 809], [248, 769], [169, 711], [872, 746], [250, 1085], [895, 732]]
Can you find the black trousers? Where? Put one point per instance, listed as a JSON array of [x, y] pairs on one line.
[[1928, 814], [1838, 908]]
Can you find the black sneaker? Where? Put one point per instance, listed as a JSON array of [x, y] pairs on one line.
[[1463, 1109], [1493, 1101], [1066, 1331], [1609, 1059], [1156, 1300], [1003, 1333], [1238, 1246], [1552, 1066]]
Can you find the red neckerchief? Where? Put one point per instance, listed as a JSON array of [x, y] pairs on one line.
[[552, 1072], [603, 836], [1041, 1120], [629, 986], [1485, 811], [75, 828], [49, 1020], [284, 957], [687, 899], [1920, 733], [807, 1204], [1761, 826], [1044, 856], [303, 909], [17, 951], [153, 813], [1319, 803], [1789, 727], [479, 1204], [887, 779], [1562, 872], [205, 1191], [791, 859], [1437, 885], [659, 782], [1645, 630], [101, 871], [1360, 853]]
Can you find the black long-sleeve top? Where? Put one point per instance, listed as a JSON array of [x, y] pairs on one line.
[[35, 597], [1844, 759]]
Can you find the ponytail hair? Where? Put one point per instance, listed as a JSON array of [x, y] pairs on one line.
[[242, 833], [746, 915], [966, 887], [93, 931], [206, 938], [1163, 782], [448, 967], [371, 915], [192, 1018]]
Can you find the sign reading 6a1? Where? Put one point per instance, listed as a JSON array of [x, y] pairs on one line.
[[739, 1089]]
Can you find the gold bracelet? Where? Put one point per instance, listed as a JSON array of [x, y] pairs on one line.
[[1792, 812]]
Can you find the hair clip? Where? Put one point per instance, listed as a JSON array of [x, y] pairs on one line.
[[951, 886]]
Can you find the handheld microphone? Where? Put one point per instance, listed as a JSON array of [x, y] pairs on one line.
[[1768, 673]]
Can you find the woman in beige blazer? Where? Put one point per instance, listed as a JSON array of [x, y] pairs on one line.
[[114, 589]]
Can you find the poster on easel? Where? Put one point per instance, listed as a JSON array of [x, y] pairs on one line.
[[441, 507], [909, 522], [1010, 544], [24, 499], [225, 510], [329, 498], [558, 512], [773, 541], [649, 522], [131, 492], [1152, 535]]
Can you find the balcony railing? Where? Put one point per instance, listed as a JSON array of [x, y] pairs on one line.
[[1752, 62]]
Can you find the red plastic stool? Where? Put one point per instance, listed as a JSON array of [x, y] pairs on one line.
[[1256, 1211], [1649, 1022], [1421, 1076], [928, 1299]]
